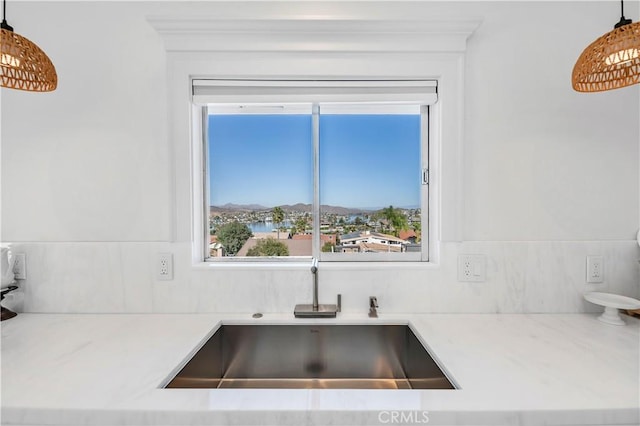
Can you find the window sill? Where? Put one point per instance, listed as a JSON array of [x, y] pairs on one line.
[[306, 263]]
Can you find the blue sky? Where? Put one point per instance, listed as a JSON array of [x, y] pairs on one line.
[[366, 161]]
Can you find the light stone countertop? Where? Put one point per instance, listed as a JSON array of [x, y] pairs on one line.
[[72, 369]]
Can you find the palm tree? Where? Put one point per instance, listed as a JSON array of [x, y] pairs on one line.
[[277, 215], [395, 218], [301, 225]]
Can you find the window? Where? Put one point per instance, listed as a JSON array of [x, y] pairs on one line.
[[371, 158], [341, 180], [260, 180]]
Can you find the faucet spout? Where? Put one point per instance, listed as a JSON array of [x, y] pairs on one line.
[[316, 310]]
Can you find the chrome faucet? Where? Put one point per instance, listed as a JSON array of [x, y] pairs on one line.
[[373, 306], [316, 310]]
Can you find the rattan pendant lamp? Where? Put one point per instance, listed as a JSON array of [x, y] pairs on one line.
[[612, 61], [23, 65]]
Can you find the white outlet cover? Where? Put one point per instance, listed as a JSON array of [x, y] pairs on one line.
[[164, 267], [472, 267], [595, 269], [20, 266]]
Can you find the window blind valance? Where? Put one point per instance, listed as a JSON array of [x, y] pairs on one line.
[[208, 91]]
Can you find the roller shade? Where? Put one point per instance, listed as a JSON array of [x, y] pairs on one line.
[[423, 92]]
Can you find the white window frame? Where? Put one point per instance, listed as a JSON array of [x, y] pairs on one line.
[[334, 96]]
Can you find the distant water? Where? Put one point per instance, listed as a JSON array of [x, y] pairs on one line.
[[266, 226]]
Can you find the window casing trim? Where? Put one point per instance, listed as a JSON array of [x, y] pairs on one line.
[[312, 48]]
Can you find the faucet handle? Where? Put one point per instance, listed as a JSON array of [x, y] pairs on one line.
[[373, 305]]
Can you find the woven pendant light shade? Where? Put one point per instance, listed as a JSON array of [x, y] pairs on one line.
[[610, 62], [24, 66]]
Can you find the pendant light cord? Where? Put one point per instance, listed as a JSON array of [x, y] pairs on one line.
[[4, 24], [623, 20]]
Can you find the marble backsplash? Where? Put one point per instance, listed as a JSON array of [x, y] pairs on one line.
[[521, 277]]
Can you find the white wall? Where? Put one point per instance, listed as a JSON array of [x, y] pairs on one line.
[[88, 171], [88, 162], [545, 162]]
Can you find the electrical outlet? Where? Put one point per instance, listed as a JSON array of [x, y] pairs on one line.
[[471, 267], [20, 266], [595, 269], [164, 267]]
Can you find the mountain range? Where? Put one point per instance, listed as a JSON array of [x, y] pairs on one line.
[[299, 208]]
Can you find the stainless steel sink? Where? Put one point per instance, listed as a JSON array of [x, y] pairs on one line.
[[312, 356]]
